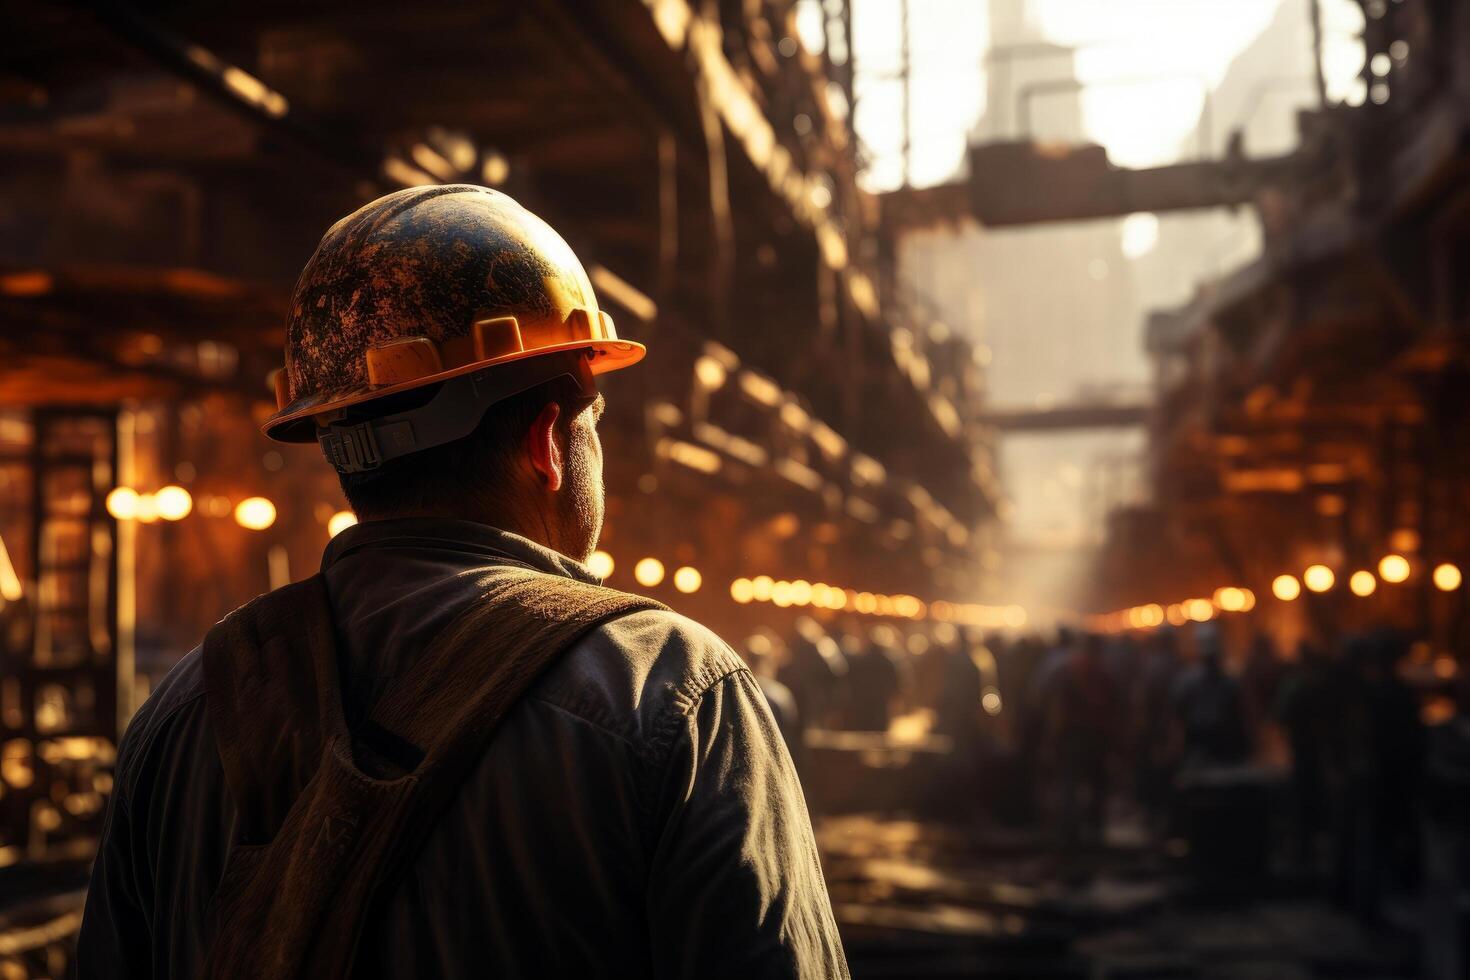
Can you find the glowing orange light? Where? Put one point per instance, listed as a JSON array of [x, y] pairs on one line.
[[1447, 577], [173, 503], [255, 513], [1319, 578], [742, 590], [122, 503], [600, 564], [1286, 587], [1362, 583], [687, 579], [147, 509], [1230, 599], [341, 521], [648, 572], [1393, 568]]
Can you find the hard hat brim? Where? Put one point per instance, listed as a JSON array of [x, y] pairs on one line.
[[296, 422]]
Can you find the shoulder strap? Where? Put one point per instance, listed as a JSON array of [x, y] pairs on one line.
[[273, 700], [296, 906]]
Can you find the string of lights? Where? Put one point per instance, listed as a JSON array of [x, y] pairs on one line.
[[1393, 569], [649, 572], [174, 503]]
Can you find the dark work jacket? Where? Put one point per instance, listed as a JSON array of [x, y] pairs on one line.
[[636, 815]]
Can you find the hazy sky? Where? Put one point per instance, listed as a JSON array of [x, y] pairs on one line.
[[1168, 50]]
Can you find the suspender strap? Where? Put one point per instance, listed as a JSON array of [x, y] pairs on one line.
[[296, 906]]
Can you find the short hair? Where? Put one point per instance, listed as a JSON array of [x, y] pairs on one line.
[[465, 470]]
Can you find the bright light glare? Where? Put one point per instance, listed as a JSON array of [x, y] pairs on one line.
[[1393, 568], [648, 572], [1140, 234], [1286, 587], [1319, 578], [255, 513], [1230, 599], [688, 579], [1447, 577], [147, 509], [173, 503], [1144, 123], [742, 590], [1200, 610], [1363, 583], [10, 588], [600, 564], [122, 503], [340, 522]]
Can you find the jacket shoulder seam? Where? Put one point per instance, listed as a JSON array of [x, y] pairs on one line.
[[577, 715], [148, 736]]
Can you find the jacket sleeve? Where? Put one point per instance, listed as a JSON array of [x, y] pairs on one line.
[[116, 933], [736, 889]]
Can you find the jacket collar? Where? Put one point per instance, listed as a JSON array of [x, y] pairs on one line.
[[490, 545]]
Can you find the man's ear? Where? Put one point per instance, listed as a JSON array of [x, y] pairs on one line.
[[543, 453]]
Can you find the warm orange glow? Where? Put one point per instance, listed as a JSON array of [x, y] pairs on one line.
[[1200, 610], [255, 513], [173, 503], [1286, 588], [687, 579], [10, 587], [340, 522], [147, 509], [1447, 577], [742, 590], [600, 564], [122, 503], [1230, 599], [761, 588], [648, 572], [1319, 578], [1363, 583], [1393, 568], [710, 372]]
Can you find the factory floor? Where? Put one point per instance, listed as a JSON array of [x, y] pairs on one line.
[[921, 899]]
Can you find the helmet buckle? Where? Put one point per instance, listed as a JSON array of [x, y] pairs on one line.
[[350, 448]]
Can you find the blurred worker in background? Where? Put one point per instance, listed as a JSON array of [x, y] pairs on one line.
[[1207, 706], [764, 654], [1153, 758], [1080, 721], [315, 792], [815, 672], [1387, 746], [878, 675], [1310, 707]]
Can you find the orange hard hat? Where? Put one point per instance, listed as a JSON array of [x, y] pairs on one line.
[[423, 287]]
